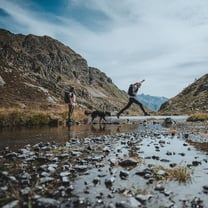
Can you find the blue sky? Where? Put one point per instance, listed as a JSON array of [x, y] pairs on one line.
[[164, 42]]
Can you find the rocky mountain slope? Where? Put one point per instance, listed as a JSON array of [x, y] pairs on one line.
[[192, 99], [35, 71]]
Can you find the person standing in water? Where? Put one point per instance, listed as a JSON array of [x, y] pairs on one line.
[[71, 104]]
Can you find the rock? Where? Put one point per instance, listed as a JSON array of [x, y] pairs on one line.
[[25, 191], [196, 163], [159, 187], [2, 82], [197, 202], [205, 189], [11, 155], [143, 198], [47, 202], [96, 181], [124, 174], [168, 122], [12, 204], [109, 182], [128, 163], [46, 179]]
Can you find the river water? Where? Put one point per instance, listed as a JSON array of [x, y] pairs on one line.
[[152, 145], [17, 137]]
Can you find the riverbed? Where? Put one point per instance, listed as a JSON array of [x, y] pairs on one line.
[[120, 169]]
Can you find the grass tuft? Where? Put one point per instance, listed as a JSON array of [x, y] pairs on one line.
[[180, 174], [198, 117]]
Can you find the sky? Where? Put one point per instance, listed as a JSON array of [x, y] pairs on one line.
[[164, 42]]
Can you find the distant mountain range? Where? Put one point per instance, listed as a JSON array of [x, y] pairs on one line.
[[151, 102]]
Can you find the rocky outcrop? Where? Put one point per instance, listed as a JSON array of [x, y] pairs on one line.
[[192, 99], [35, 71]]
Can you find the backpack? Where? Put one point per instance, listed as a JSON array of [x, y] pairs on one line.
[[131, 90], [66, 97]]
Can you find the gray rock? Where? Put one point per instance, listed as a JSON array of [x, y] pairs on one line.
[[12, 204], [47, 202], [46, 179], [25, 191], [2, 82], [124, 174], [128, 162]]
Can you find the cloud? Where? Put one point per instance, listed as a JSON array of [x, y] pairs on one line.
[[163, 41]]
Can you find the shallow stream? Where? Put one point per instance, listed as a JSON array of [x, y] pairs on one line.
[[109, 165]]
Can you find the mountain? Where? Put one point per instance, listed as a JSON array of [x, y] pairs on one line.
[[152, 102], [192, 99], [35, 71]]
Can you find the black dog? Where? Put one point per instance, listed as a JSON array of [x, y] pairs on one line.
[[100, 114]]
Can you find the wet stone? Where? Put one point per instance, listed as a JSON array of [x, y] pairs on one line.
[[172, 165], [197, 202], [64, 155], [11, 155], [81, 167], [124, 174], [196, 163], [169, 153], [155, 157], [161, 172], [66, 173], [97, 158], [12, 204], [182, 154], [128, 162], [143, 198], [133, 202], [96, 181], [144, 172], [12, 178], [165, 160], [159, 187], [109, 182], [47, 202], [65, 180], [25, 191], [205, 189], [46, 179]]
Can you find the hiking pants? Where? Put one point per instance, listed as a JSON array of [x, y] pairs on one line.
[[131, 101], [70, 112]]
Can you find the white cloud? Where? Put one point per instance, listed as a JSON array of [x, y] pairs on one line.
[[163, 41]]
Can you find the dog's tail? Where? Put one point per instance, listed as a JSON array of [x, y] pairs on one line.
[[87, 113]]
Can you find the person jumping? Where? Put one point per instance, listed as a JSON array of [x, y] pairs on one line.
[[133, 89]]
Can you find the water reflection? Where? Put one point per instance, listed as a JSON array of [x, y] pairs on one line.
[[18, 137]]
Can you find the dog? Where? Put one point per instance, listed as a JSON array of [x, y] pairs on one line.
[[97, 113]]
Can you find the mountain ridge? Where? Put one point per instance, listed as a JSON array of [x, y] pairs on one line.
[[192, 99], [35, 71]]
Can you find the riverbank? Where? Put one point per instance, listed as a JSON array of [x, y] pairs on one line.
[[54, 116], [150, 167]]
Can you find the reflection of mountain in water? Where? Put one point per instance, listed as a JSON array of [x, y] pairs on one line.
[[22, 136], [152, 102]]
